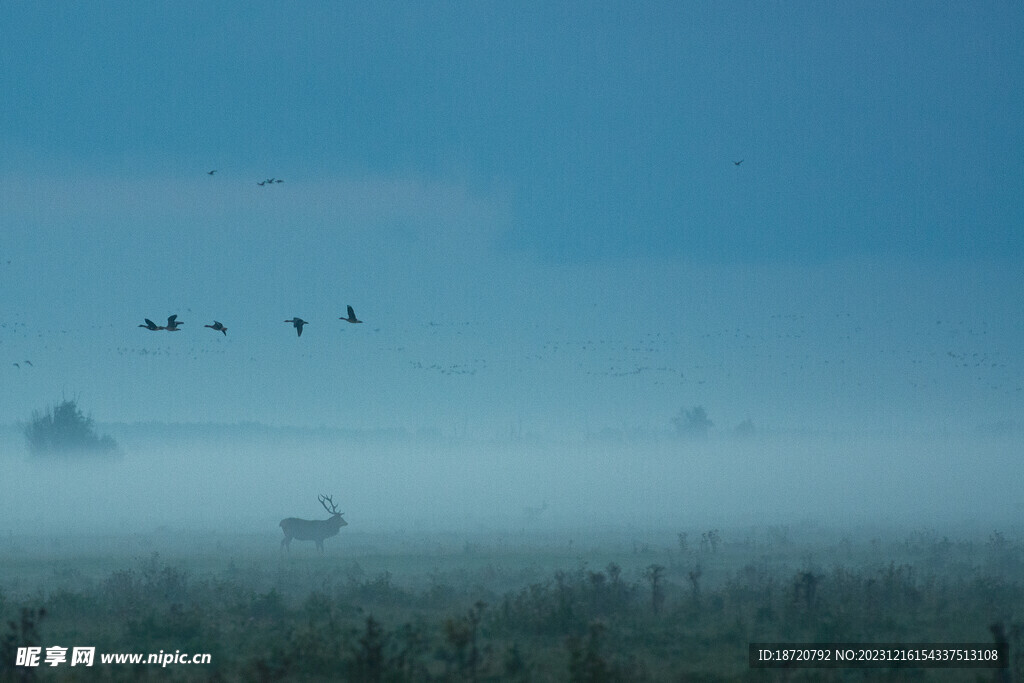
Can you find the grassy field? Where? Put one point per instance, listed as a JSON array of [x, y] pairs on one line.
[[519, 607]]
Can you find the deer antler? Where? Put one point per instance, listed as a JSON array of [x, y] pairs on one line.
[[324, 500]]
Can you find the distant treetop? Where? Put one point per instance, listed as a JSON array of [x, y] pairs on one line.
[[65, 430]]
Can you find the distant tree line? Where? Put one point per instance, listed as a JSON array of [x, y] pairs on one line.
[[692, 422], [695, 423]]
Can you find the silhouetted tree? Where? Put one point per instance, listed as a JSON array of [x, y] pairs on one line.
[[462, 634], [693, 422], [694, 576], [23, 632], [682, 537], [806, 584], [368, 663], [586, 664], [64, 429], [654, 574]]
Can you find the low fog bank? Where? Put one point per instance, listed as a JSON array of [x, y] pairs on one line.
[[245, 480]]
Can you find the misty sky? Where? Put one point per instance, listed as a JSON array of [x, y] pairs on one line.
[[534, 207]]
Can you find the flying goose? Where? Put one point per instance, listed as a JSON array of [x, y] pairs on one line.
[[351, 316], [297, 322], [218, 327]]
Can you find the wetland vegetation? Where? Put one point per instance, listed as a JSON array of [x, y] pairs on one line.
[[615, 606]]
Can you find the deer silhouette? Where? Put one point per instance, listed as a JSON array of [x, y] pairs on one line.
[[315, 529]]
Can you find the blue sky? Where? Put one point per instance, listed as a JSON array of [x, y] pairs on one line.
[[501, 188]]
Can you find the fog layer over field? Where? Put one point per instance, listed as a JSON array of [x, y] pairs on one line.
[[246, 479]]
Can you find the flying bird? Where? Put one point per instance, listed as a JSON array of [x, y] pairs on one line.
[[172, 323], [218, 327], [211, 172], [28, 363], [297, 323], [152, 326], [262, 184], [737, 163], [351, 316]]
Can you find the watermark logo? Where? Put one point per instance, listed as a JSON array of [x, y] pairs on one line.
[[56, 655], [86, 656]]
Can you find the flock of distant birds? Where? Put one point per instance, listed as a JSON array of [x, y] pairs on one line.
[[262, 183], [297, 322], [174, 325]]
